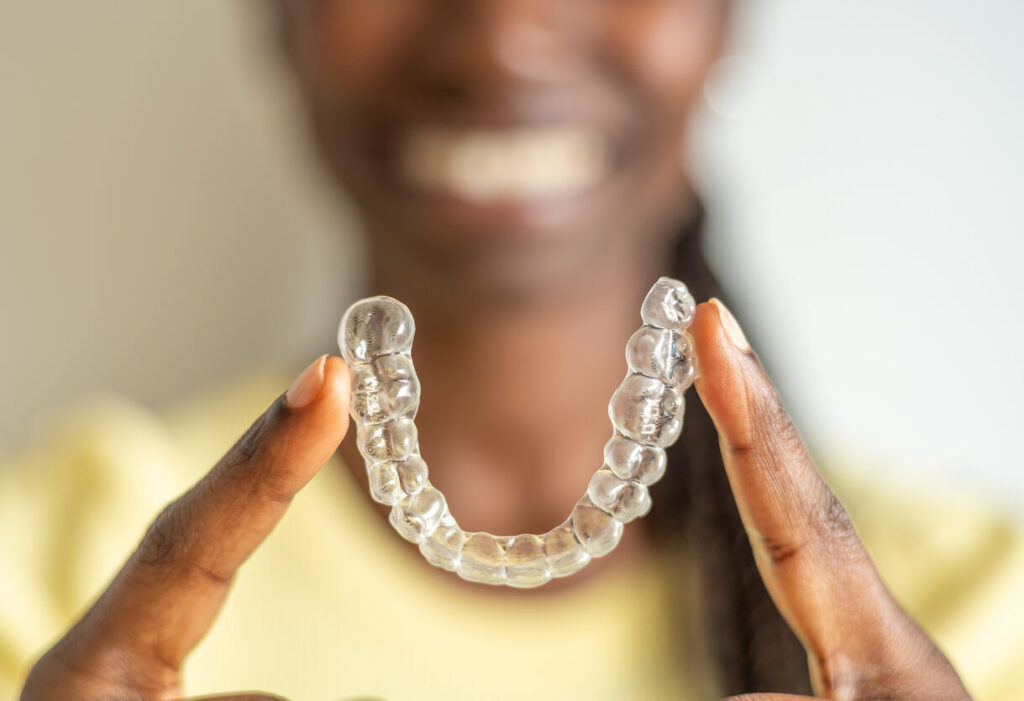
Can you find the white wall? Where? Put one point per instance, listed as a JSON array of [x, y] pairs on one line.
[[869, 162], [864, 161]]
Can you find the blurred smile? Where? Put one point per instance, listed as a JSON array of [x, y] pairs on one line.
[[502, 165]]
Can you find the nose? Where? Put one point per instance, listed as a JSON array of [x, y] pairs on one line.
[[486, 45]]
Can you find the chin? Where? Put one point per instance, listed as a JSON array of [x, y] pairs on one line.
[[505, 260], [506, 249]]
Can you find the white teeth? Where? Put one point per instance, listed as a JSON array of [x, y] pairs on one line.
[[503, 163]]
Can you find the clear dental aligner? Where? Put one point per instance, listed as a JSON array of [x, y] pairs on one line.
[[646, 413]]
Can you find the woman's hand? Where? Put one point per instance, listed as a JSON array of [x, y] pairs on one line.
[[860, 644], [133, 641]]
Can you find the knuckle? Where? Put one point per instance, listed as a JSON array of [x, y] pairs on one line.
[[169, 547], [263, 479], [777, 425], [276, 484], [772, 433], [165, 540], [834, 526], [888, 662], [835, 519], [839, 676], [781, 550], [249, 446], [254, 466]]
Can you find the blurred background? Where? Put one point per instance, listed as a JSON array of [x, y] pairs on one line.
[[164, 227]]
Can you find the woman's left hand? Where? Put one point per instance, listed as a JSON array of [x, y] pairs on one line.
[[860, 644]]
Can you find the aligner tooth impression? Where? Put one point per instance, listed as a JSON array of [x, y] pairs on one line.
[[646, 412]]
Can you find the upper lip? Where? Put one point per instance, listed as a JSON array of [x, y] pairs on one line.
[[510, 108]]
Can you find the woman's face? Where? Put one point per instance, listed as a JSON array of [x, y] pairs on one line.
[[505, 141]]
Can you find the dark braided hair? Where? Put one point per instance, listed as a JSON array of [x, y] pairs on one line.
[[751, 646]]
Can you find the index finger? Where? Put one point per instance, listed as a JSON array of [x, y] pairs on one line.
[[166, 597], [809, 556]]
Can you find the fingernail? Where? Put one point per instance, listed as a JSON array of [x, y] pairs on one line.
[[729, 324], [306, 386]]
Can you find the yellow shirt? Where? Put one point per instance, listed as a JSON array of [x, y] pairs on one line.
[[335, 605]]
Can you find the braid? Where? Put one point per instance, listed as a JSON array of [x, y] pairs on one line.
[[750, 644]]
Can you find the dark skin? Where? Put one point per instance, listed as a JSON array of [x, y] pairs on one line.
[[508, 288]]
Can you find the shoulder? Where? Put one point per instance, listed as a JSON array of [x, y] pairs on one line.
[[956, 564]]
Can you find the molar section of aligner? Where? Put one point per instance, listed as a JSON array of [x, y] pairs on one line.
[[374, 327], [525, 563], [647, 410], [483, 558], [594, 528], [631, 460], [384, 485], [443, 548], [390, 482], [416, 518], [383, 389], [624, 500], [669, 305], [662, 354], [392, 441], [563, 553]]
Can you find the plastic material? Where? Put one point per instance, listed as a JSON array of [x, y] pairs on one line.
[[646, 412]]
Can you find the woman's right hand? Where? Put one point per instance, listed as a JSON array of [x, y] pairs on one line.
[[134, 640]]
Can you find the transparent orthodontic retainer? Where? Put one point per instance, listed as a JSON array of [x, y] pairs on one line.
[[646, 412]]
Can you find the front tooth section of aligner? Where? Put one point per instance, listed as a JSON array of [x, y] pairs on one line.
[[384, 388], [525, 563], [444, 546], [662, 354], [387, 442], [630, 460], [594, 528], [625, 500], [417, 517], [390, 482], [374, 327], [647, 410], [669, 305], [483, 559], [563, 553]]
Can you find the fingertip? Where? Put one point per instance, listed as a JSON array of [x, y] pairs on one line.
[[304, 438], [334, 398], [305, 388], [705, 326], [730, 327], [337, 378], [338, 381], [325, 380], [713, 349], [321, 412], [721, 382]]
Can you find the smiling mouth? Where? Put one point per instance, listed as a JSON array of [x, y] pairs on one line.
[[503, 165]]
